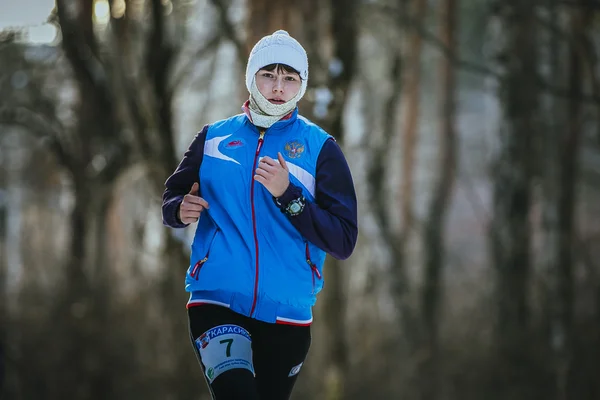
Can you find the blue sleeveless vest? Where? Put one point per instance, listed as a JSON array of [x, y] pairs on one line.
[[246, 254]]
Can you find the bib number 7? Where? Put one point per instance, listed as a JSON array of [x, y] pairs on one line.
[[229, 343], [236, 354]]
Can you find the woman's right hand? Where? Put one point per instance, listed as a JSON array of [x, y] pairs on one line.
[[191, 206]]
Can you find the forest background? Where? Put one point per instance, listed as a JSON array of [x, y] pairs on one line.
[[472, 129]]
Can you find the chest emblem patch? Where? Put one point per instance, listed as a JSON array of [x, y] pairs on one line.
[[235, 144], [294, 149]]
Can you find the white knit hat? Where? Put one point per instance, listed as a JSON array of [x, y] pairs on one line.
[[277, 48]]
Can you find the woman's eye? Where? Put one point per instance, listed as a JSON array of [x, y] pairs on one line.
[[267, 75], [290, 78]]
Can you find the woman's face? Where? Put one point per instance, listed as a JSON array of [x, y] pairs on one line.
[[278, 86]]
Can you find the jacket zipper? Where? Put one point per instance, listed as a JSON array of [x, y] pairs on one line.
[[196, 270], [260, 143], [313, 268]]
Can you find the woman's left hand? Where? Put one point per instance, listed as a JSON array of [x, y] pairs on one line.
[[273, 175]]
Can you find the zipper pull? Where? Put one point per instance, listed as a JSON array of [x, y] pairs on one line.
[[313, 268], [261, 139], [195, 271], [316, 270]]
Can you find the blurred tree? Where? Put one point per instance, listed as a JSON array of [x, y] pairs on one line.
[[560, 173], [95, 154], [4, 42], [266, 17], [122, 116], [378, 169], [30, 107], [3, 276], [510, 234], [132, 80], [410, 101], [433, 235], [341, 64]]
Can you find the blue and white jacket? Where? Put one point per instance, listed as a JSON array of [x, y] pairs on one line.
[[246, 254]]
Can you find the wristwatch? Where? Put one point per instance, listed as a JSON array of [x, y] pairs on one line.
[[293, 208]]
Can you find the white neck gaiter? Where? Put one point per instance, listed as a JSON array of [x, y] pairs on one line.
[[263, 112]]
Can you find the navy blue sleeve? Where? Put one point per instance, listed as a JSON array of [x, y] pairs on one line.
[[331, 223], [180, 182]]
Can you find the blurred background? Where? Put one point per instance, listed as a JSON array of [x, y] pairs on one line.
[[472, 128]]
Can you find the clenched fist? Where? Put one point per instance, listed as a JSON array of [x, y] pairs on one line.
[[191, 206]]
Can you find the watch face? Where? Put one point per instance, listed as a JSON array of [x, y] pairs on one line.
[[295, 207]]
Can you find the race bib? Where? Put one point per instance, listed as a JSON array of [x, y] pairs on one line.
[[223, 348]]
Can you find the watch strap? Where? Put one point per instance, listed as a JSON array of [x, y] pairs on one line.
[[291, 193], [292, 201]]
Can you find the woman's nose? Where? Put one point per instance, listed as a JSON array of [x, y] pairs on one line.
[[278, 86]]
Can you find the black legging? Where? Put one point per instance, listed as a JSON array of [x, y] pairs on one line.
[[276, 350]]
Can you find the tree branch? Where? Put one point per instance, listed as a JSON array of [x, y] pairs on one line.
[[567, 94], [80, 53], [589, 5], [229, 30], [138, 119], [41, 127], [183, 72], [377, 167], [159, 58], [429, 37], [480, 68]]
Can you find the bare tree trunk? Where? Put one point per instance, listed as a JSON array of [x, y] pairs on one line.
[[105, 358], [566, 206], [265, 17], [434, 227], [97, 126], [299, 19], [3, 286], [160, 56], [561, 172], [411, 112], [409, 121], [512, 174], [71, 309], [344, 36], [410, 97], [376, 181], [551, 183], [590, 246], [81, 309]]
